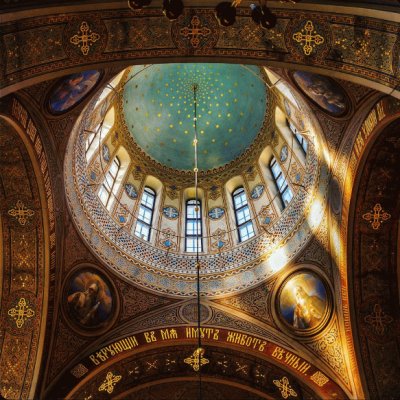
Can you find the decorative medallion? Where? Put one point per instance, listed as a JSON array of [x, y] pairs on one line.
[[197, 360], [378, 320], [257, 192], [131, 190], [285, 388], [85, 38], [90, 301], [376, 216], [319, 378], [195, 32], [21, 312], [170, 212], [21, 213], [284, 153], [110, 382], [308, 38], [325, 92], [303, 303], [216, 213], [72, 90], [106, 153]]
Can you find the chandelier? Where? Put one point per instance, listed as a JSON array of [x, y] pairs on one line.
[[224, 11]]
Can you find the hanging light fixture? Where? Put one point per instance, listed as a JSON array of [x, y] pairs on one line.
[[226, 12], [138, 4], [263, 16], [172, 9]]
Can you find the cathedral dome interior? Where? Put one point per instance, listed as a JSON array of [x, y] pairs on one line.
[[199, 200]]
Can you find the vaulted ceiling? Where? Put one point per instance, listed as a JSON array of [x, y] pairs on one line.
[[140, 348]]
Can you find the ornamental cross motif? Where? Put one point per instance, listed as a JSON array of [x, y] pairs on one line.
[[195, 31], [109, 383], [285, 388], [21, 313], [85, 40], [310, 38], [378, 319], [196, 360], [376, 216], [21, 212]]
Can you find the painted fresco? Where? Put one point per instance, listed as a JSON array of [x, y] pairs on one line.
[[89, 299], [325, 92], [70, 90], [303, 301]]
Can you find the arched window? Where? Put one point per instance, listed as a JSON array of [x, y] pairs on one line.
[[300, 138], [242, 214], [145, 215], [193, 228], [108, 184], [284, 190]]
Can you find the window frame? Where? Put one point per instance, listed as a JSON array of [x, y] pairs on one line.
[[284, 188], [104, 185], [197, 235], [238, 192], [301, 140], [149, 192]]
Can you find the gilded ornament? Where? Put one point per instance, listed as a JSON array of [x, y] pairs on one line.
[[86, 39], [196, 361], [21, 212], [376, 216], [319, 378], [195, 31], [378, 319], [284, 387], [21, 313], [309, 37], [109, 383]]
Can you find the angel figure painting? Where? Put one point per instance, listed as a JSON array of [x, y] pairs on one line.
[[303, 301], [89, 299]]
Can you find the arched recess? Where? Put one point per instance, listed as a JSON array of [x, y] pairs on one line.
[[348, 168], [234, 358], [373, 269], [28, 251], [354, 46]]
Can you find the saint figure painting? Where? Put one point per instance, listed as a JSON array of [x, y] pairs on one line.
[[303, 302], [90, 303]]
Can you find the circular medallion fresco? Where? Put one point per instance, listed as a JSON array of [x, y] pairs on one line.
[[303, 303], [89, 300], [70, 90], [158, 105], [323, 91]]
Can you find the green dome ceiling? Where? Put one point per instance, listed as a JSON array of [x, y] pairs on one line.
[[159, 111]]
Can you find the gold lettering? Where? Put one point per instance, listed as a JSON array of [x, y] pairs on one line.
[[381, 111], [94, 360], [278, 353], [262, 346], [369, 124], [215, 336], [149, 336], [304, 366]]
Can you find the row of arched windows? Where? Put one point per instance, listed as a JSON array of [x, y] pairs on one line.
[[193, 220]]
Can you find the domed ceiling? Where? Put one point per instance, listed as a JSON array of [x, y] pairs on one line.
[[159, 111]]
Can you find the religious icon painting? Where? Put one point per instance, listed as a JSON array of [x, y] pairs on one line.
[[323, 91], [90, 300], [71, 90], [303, 302]]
